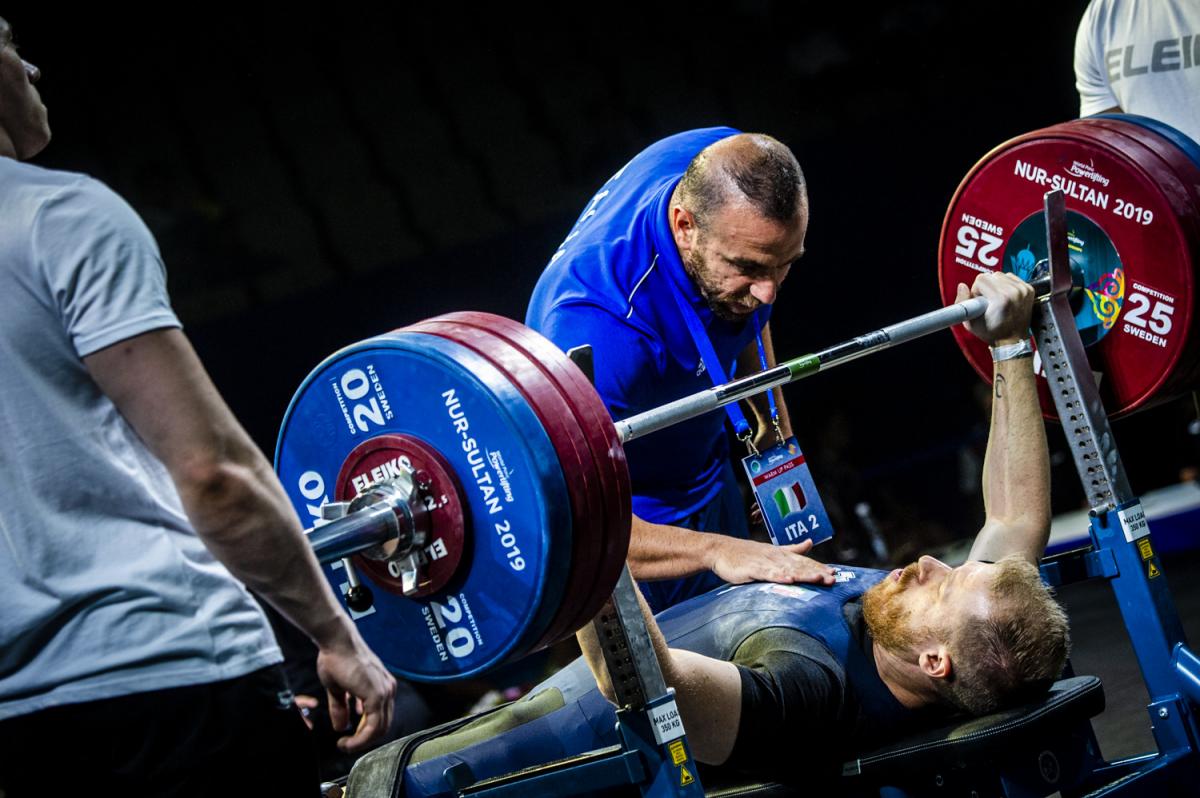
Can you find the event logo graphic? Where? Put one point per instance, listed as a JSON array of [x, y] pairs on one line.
[[1087, 170]]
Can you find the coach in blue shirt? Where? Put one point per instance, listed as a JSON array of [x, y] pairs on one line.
[[704, 224]]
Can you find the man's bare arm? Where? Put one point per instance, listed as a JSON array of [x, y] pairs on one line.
[[659, 551], [238, 508], [708, 691], [1016, 472]]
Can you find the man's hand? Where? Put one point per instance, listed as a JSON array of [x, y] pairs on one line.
[[756, 515], [1010, 307], [350, 671], [737, 561], [306, 704], [657, 551]]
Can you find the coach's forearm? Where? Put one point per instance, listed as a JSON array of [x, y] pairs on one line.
[[659, 551]]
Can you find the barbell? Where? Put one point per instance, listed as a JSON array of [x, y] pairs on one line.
[[468, 490]]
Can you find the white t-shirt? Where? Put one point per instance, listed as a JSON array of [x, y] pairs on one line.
[[1144, 56], [105, 588]]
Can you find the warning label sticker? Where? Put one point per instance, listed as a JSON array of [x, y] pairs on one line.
[[685, 777], [666, 723], [1144, 549], [678, 752], [1133, 522], [1153, 571]]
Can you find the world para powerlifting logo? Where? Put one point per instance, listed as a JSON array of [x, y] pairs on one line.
[[1087, 170]]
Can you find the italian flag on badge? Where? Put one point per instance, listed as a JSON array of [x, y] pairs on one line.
[[790, 499], [783, 487]]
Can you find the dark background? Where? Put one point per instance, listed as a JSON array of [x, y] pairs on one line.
[[317, 179]]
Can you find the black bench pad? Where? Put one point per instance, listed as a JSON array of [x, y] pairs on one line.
[[968, 743]]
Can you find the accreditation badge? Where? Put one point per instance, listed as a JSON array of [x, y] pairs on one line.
[[791, 506]]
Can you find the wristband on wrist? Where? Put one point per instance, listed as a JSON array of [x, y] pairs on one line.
[[1012, 351]]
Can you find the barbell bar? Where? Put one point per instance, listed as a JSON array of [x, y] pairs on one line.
[[702, 402], [387, 519]]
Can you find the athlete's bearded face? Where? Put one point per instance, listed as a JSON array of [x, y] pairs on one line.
[[928, 599]]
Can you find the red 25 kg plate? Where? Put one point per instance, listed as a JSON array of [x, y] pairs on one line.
[[1133, 237]]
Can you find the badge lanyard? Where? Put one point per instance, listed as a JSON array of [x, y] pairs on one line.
[[791, 507], [762, 360], [716, 372]]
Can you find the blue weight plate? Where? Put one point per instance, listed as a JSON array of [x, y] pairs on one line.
[[1190, 148], [511, 578]]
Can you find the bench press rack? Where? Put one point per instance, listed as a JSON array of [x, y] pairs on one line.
[[1121, 551]]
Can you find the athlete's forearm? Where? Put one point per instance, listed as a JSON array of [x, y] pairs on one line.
[[1016, 471]]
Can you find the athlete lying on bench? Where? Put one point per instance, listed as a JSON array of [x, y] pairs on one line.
[[785, 681], [976, 638]]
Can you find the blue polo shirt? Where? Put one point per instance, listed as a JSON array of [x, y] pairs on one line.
[[609, 285]]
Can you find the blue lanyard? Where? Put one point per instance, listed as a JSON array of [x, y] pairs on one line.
[[716, 371], [762, 361]]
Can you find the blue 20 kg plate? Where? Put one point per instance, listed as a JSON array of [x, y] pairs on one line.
[[518, 523]]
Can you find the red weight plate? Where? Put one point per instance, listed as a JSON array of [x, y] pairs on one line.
[[573, 452], [582, 395], [606, 445], [1131, 237], [377, 458], [610, 548], [1184, 192], [594, 418], [570, 444], [1173, 173]]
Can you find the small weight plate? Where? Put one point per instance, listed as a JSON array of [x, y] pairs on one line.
[[380, 457]]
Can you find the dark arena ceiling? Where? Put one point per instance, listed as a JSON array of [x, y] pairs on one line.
[[316, 179]]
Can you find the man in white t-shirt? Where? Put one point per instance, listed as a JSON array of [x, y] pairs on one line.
[[1141, 57], [132, 661]]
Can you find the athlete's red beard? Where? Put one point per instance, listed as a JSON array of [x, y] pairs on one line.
[[889, 621]]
